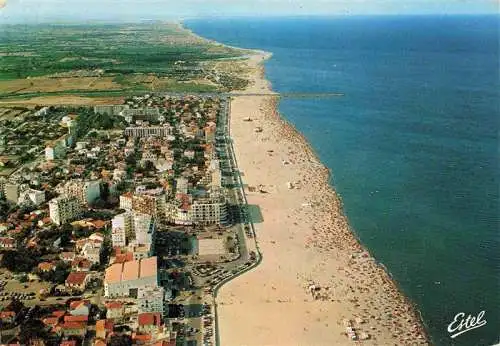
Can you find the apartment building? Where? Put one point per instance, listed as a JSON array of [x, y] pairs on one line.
[[144, 228], [132, 227], [151, 299], [207, 211], [148, 131], [87, 192], [151, 203], [121, 229], [201, 211], [126, 201], [64, 209], [110, 109]]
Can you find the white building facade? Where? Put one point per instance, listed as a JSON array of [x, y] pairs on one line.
[[151, 299], [64, 209]]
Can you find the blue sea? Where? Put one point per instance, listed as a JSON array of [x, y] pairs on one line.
[[413, 145]]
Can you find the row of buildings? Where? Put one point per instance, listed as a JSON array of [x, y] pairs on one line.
[[75, 196], [184, 209], [21, 194]]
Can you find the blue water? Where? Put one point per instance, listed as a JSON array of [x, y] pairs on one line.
[[413, 144]]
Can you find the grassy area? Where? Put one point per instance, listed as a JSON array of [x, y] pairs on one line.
[[40, 59]]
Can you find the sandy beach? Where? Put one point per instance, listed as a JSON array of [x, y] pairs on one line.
[[315, 279]]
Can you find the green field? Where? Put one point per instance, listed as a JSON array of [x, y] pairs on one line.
[[48, 59]]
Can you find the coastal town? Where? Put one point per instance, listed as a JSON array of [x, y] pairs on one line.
[[141, 208], [119, 222]]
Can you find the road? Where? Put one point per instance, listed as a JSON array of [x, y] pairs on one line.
[[122, 93]]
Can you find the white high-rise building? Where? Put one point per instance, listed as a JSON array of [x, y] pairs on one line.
[[143, 228], [87, 192], [149, 131], [132, 227], [126, 201], [31, 196], [50, 153], [121, 229], [64, 209]]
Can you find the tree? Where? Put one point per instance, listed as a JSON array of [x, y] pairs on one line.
[[15, 305], [32, 329], [149, 166], [19, 261], [58, 276], [120, 340]]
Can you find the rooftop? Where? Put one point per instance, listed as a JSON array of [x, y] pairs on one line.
[[149, 267], [114, 305], [76, 278], [131, 270], [149, 318]]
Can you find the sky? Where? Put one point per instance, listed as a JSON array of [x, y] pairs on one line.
[[33, 11]]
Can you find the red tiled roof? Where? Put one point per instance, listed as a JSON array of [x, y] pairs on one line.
[[51, 321], [142, 337], [114, 305], [76, 278], [58, 313], [7, 241], [104, 324], [82, 263], [124, 257], [74, 325], [76, 303], [68, 343], [149, 318], [67, 255], [7, 314], [46, 266], [80, 318], [98, 224]]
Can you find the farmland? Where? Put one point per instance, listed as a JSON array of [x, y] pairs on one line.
[[49, 60]]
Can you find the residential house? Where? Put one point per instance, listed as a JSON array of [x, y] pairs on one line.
[[76, 318], [67, 256], [77, 281], [7, 317], [103, 328], [68, 343], [79, 308], [149, 322], [114, 310], [46, 267], [51, 321], [80, 264], [72, 328], [7, 243]]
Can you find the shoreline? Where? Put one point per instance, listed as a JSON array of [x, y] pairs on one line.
[[227, 294]]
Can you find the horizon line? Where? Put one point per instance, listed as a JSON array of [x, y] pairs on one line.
[[225, 17]]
